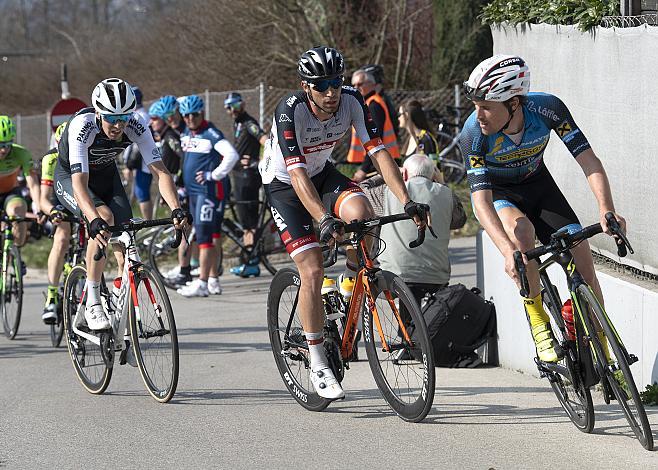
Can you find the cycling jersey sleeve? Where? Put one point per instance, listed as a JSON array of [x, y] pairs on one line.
[[48, 163], [255, 130], [379, 116], [365, 127], [564, 125], [229, 159], [287, 132], [138, 132], [26, 162], [82, 130], [474, 149]]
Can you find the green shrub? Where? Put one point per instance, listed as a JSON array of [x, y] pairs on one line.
[[650, 395], [585, 13]]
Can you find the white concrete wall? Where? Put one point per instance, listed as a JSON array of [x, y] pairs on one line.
[[632, 309]]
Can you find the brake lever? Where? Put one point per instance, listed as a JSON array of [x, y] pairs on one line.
[[418, 241], [429, 223], [520, 268], [621, 241]]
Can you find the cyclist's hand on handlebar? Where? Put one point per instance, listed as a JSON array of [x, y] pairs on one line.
[[98, 230], [56, 214], [330, 228], [41, 218], [606, 226], [181, 218], [419, 212]]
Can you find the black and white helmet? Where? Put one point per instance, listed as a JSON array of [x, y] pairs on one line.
[[321, 62], [113, 96], [498, 78]]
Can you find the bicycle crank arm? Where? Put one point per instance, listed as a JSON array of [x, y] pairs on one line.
[[153, 334], [88, 336]]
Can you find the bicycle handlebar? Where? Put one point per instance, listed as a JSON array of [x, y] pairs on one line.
[[562, 241], [134, 225]]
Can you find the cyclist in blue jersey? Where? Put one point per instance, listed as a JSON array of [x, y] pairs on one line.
[[209, 158], [514, 196]]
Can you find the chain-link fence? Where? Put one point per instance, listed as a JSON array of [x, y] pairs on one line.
[[34, 131]]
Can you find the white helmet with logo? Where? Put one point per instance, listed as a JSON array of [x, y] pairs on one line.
[[113, 96], [498, 78]]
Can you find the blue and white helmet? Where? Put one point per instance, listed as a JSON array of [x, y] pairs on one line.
[[158, 109], [498, 78], [190, 104], [169, 102]]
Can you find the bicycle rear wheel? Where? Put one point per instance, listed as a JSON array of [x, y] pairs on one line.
[[452, 163], [564, 377], [86, 356], [11, 293], [287, 339], [403, 368], [153, 335], [628, 397]]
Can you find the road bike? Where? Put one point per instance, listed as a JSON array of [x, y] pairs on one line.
[[11, 279], [583, 361], [143, 329], [396, 340]]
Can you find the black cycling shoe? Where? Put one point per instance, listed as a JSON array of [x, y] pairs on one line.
[[181, 279]]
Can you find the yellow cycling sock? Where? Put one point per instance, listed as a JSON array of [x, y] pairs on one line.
[[535, 309], [604, 342]]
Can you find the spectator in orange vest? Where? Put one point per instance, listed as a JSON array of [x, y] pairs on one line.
[[366, 84]]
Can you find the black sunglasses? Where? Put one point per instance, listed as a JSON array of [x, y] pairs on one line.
[[194, 115]]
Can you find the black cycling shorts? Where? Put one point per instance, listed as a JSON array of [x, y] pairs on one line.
[[105, 189], [10, 195], [246, 186], [541, 200], [294, 223]]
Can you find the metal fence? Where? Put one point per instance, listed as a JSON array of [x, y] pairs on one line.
[[34, 131]]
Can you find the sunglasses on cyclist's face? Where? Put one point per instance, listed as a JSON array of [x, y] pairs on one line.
[[114, 118], [323, 85], [233, 106], [192, 115], [5, 145], [474, 94]]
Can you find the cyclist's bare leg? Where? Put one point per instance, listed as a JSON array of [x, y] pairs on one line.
[[248, 237], [95, 268], [309, 265], [356, 208], [521, 232], [146, 208], [16, 206], [56, 255], [207, 259]]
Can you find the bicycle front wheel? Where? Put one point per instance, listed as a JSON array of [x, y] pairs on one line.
[[617, 371], [564, 377], [153, 335], [86, 356], [288, 342], [11, 293], [398, 347], [161, 255]]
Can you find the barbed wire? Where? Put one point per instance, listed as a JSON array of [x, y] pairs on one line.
[[630, 271], [629, 21]]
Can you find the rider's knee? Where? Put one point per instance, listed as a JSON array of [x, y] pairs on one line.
[[523, 233]]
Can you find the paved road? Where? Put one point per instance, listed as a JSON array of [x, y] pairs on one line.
[[232, 410]]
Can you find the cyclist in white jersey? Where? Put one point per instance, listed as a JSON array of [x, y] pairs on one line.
[[302, 185]]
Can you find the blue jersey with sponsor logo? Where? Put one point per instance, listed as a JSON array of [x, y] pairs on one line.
[[496, 159], [200, 154]]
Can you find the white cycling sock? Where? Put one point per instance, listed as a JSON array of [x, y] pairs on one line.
[[93, 292], [213, 280], [316, 350]]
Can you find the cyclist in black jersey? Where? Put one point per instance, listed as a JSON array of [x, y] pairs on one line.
[[513, 193], [248, 139], [87, 180], [303, 186]]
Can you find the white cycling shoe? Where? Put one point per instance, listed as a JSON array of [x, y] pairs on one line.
[[214, 286], [96, 318], [194, 289], [326, 385]]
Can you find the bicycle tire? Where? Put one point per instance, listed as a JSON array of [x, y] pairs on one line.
[[640, 426], [575, 398], [151, 322], [57, 328], [12, 293], [452, 163], [292, 362], [88, 363], [404, 360]]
